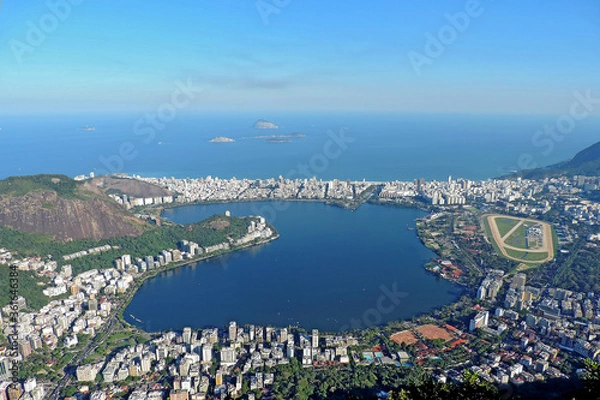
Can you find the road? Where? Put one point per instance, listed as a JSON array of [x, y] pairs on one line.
[[88, 350]]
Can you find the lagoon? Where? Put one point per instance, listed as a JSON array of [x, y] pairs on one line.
[[331, 269]]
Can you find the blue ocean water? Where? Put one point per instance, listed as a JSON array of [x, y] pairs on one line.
[[331, 269], [383, 147]]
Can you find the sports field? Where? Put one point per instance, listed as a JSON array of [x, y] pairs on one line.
[[404, 337], [520, 239], [432, 332]]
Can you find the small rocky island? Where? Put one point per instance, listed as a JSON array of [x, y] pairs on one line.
[[222, 139], [263, 124]]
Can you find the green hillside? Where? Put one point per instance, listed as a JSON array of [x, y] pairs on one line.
[[586, 162], [21, 185]]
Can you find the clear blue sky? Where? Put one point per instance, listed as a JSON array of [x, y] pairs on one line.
[[516, 57]]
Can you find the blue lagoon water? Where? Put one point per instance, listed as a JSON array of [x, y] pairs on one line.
[[328, 270]]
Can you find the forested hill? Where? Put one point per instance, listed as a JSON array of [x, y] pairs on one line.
[[59, 206], [586, 162]]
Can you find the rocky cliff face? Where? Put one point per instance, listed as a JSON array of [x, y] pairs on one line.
[[90, 215]]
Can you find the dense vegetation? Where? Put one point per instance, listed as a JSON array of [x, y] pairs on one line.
[[292, 381], [364, 382], [586, 162], [580, 271], [28, 287], [21, 185], [150, 243]]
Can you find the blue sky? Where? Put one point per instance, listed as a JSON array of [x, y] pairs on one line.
[[515, 56]]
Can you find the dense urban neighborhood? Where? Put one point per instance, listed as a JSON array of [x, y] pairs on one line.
[[518, 324]]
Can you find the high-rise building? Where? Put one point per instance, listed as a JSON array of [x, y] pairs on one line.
[[93, 305], [177, 255], [283, 335], [232, 331], [268, 334], [25, 348], [134, 370], [315, 338], [150, 262], [479, 321], [4, 368], [228, 356], [162, 352], [481, 292], [146, 363], [36, 342], [187, 335], [86, 373], [66, 271], [126, 260], [206, 354], [167, 255]]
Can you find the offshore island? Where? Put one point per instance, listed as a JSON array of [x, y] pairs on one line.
[[524, 247], [222, 139]]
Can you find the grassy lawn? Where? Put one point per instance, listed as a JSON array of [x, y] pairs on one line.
[[526, 256], [124, 337], [517, 239], [536, 257], [505, 225]]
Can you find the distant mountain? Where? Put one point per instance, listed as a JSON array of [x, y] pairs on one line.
[[57, 205], [586, 162]]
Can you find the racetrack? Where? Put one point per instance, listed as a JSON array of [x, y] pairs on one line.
[[546, 246]]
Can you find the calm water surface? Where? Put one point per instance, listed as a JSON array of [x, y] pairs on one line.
[[331, 269]]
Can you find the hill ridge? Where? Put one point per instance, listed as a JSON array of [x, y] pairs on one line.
[[59, 206]]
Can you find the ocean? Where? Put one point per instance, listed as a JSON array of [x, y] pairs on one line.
[[378, 147]]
